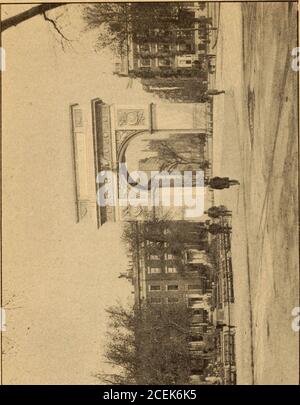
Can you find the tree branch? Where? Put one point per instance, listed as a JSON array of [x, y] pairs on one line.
[[55, 26], [26, 15]]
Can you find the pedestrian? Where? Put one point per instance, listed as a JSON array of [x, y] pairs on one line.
[[212, 212], [219, 183], [224, 210], [217, 211]]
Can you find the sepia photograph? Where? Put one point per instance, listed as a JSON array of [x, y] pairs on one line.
[[150, 204]]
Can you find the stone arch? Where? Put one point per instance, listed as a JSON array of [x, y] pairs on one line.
[[114, 127], [124, 143], [121, 150]]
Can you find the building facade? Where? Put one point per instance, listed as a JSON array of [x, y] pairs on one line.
[[171, 46], [172, 58], [168, 274]]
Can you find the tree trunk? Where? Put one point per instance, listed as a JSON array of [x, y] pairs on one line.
[[26, 15]]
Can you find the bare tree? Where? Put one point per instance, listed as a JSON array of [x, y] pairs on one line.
[[118, 21], [151, 348], [178, 152]]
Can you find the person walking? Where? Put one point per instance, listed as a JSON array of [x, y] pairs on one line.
[[217, 211], [219, 183]]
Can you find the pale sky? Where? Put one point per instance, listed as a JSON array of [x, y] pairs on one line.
[[58, 275]]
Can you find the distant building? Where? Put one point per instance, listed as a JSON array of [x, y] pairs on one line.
[[178, 50], [169, 46], [162, 278]]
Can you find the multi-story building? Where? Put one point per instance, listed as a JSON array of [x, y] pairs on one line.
[[175, 45], [177, 50], [163, 277]]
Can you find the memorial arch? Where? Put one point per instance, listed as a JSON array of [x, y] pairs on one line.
[[115, 128]]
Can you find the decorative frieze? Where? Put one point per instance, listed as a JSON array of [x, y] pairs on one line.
[[132, 117]]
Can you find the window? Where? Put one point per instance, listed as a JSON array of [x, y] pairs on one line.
[[185, 47], [163, 47], [199, 311], [172, 300], [164, 62], [194, 287], [154, 257], [145, 62], [154, 287], [154, 270], [145, 48], [155, 300], [171, 270], [183, 34], [194, 301], [172, 287], [196, 338]]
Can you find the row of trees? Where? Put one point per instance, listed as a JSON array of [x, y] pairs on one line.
[[121, 20], [148, 346]]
